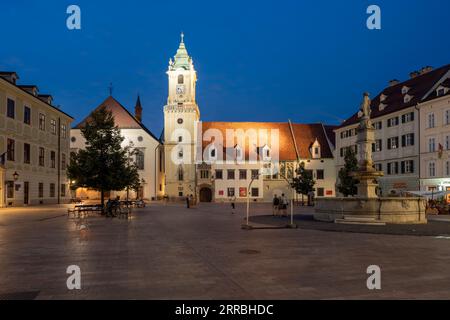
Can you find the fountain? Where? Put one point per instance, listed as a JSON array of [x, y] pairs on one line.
[[367, 207]]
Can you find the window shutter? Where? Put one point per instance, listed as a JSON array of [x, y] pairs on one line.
[[403, 140], [403, 167], [412, 116], [412, 166]]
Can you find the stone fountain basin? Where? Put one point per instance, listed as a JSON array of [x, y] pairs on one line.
[[391, 210]]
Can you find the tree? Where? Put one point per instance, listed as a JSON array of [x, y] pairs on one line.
[[103, 165], [303, 183], [347, 183]]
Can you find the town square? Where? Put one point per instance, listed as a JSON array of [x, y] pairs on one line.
[[222, 158]]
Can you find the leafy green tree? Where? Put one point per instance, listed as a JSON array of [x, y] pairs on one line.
[[103, 164], [304, 182], [347, 183]]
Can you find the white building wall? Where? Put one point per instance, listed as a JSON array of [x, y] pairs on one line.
[[153, 186], [398, 182]]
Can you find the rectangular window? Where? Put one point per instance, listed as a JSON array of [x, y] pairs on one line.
[[11, 108], [392, 143], [219, 174], [407, 166], [408, 117], [408, 140], [392, 168], [377, 146], [26, 115], [320, 192], [52, 159], [320, 175], [63, 131], [242, 174], [447, 168], [10, 189], [26, 153], [378, 166], [230, 192], [230, 174], [431, 145], [52, 190], [41, 121], [204, 174], [255, 192], [392, 122], [63, 190], [378, 125], [11, 150], [52, 126], [432, 169], [41, 156], [41, 190], [447, 116], [431, 123], [447, 142], [255, 174]]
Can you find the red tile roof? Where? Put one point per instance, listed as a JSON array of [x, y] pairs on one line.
[[305, 135], [122, 117], [394, 101]]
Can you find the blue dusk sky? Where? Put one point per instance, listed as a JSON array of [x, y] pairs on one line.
[[308, 61]]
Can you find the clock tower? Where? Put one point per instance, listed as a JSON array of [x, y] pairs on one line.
[[181, 116]]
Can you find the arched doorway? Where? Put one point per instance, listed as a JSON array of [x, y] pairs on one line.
[[205, 194]]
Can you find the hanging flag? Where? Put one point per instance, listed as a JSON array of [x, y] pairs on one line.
[[440, 150]]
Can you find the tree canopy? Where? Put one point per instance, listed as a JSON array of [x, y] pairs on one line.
[[347, 183], [103, 164]]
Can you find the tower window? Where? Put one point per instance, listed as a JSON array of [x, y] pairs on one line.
[[180, 139], [180, 79]]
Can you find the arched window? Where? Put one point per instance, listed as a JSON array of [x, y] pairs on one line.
[[180, 79]]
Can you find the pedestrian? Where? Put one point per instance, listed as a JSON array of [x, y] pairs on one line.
[[187, 202], [275, 204], [233, 204], [284, 204]]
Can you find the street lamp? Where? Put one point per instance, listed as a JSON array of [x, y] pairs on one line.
[[15, 176]]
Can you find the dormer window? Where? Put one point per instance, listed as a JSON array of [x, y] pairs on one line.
[[315, 150], [381, 106], [407, 98], [441, 91], [238, 152], [266, 153], [405, 90], [383, 97]]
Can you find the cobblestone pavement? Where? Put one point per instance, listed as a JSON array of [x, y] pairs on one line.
[[170, 252]]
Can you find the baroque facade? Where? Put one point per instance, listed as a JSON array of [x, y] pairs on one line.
[[406, 147], [34, 146]]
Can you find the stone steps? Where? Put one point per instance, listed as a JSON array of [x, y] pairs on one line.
[[359, 220]]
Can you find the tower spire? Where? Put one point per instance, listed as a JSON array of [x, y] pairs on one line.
[[182, 37], [138, 109]]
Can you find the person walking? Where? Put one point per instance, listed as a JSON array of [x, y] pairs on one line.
[[275, 205], [187, 202], [283, 205], [233, 204]]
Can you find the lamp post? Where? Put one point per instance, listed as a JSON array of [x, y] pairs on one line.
[[15, 176]]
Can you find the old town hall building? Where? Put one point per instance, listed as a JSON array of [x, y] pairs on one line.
[[216, 161]]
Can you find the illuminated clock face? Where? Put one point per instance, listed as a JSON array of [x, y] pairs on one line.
[[180, 89]]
